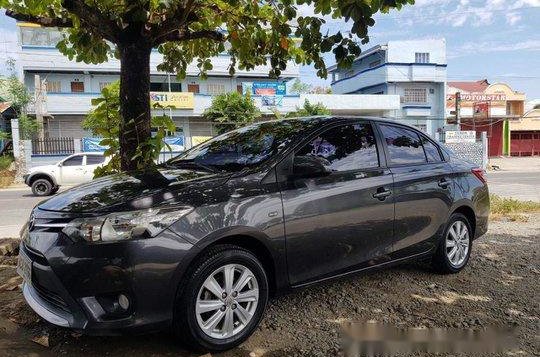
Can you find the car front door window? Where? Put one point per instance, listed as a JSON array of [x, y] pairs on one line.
[[71, 170], [344, 148]]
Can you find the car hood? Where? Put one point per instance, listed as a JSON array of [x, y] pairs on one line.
[[134, 190]]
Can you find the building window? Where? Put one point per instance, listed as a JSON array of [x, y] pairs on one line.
[[40, 36], [164, 87], [53, 86], [103, 85], [77, 87], [421, 57], [374, 63], [415, 95], [215, 88], [193, 88]]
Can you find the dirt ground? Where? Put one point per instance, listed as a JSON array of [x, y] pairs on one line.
[[499, 288]]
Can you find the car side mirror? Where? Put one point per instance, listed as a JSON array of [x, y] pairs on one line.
[[309, 166], [60, 164]]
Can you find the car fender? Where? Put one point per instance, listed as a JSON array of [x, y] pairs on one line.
[[276, 248], [41, 173]]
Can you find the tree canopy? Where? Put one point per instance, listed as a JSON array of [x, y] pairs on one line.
[[253, 33]]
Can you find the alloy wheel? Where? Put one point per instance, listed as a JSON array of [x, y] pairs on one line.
[[457, 243], [227, 301]]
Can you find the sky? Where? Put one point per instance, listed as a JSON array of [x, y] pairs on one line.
[[494, 39]]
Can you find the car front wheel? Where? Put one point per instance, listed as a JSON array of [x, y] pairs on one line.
[[223, 301], [42, 187]]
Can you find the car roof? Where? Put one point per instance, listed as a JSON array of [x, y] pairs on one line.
[[331, 118]]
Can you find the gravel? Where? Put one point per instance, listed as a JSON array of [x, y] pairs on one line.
[[499, 288]]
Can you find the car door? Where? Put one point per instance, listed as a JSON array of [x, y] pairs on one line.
[[91, 163], [343, 220], [423, 188], [72, 169]]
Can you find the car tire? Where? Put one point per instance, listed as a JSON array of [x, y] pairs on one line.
[[454, 249], [42, 187], [55, 189], [190, 315]]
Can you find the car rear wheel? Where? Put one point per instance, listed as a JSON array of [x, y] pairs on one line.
[[223, 301], [42, 187], [455, 246]]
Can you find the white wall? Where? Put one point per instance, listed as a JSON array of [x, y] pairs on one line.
[[404, 51]]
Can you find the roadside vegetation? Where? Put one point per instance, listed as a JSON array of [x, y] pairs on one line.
[[6, 175], [512, 209]]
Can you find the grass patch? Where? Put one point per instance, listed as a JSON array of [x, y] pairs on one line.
[[512, 209], [5, 161], [6, 176]]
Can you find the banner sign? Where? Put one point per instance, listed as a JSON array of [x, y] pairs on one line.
[[176, 144], [478, 97], [481, 110], [92, 145], [177, 100], [269, 88], [264, 88], [465, 136]]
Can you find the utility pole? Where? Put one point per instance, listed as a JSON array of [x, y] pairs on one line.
[[458, 110]]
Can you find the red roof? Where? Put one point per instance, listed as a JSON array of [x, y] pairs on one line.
[[471, 86], [4, 106]]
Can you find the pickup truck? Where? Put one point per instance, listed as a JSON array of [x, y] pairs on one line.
[[75, 169]]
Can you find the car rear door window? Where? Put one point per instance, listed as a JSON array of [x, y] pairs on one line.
[[94, 159], [432, 152], [73, 161], [344, 148], [404, 146]]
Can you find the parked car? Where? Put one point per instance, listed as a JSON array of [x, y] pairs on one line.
[[75, 169], [200, 243]]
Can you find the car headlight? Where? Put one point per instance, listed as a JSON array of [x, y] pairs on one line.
[[125, 225]]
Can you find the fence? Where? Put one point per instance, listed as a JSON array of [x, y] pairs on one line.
[[53, 146], [475, 152]]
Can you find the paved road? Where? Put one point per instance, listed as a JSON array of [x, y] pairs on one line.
[[15, 207], [15, 204], [524, 186]]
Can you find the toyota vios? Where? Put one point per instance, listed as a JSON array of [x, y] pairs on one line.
[[200, 243]]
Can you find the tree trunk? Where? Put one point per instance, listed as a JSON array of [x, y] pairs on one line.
[[134, 102]]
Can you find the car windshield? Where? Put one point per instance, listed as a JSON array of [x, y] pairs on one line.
[[244, 147]]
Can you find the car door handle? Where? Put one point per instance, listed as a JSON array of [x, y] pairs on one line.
[[382, 193], [443, 183]]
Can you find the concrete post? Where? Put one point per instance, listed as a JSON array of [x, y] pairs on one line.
[[15, 137], [20, 152], [485, 155], [77, 146]]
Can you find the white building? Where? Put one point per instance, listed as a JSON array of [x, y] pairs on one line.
[[70, 87], [413, 70]]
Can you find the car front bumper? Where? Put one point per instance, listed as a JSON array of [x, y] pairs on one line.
[[75, 285]]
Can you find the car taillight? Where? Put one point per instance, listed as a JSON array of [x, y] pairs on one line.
[[480, 174]]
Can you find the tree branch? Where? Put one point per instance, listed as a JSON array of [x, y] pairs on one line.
[[41, 20], [92, 17], [182, 35]]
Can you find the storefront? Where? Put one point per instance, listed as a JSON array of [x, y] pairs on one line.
[[525, 135], [486, 108]]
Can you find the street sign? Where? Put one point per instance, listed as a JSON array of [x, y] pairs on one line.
[[466, 136]]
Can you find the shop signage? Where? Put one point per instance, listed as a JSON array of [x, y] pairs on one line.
[[466, 136], [176, 100], [478, 97]]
